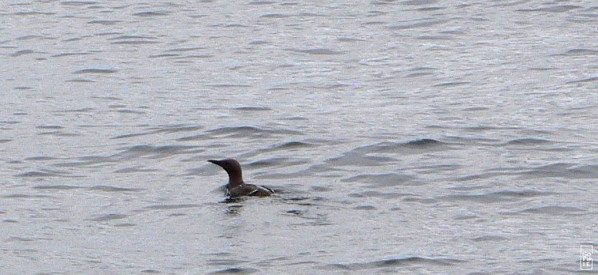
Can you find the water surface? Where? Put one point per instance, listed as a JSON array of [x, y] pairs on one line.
[[402, 136]]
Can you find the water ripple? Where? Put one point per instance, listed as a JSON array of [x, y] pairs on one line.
[[493, 197], [235, 270], [150, 13], [175, 128], [552, 210], [423, 24], [107, 188], [95, 71], [562, 8], [78, 3], [318, 51], [361, 155], [527, 141], [249, 132], [109, 217], [152, 151], [406, 261], [171, 206], [22, 52], [381, 180], [44, 173]]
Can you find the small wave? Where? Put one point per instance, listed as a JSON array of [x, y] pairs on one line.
[[107, 188], [79, 80], [424, 24], [150, 13], [591, 79], [418, 2], [78, 3], [104, 22], [350, 39], [134, 170], [81, 110], [396, 147], [57, 187], [252, 108], [489, 238], [23, 196], [451, 84], [23, 88], [30, 37], [235, 270], [436, 38], [241, 130], [554, 210], [95, 71], [419, 74], [376, 194], [126, 224], [294, 144], [425, 142], [351, 159], [129, 135], [321, 188], [186, 49], [87, 161], [175, 128], [155, 151], [318, 51], [109, 217], [125, 37], [33, 13], [267, 162], [557, 9], [21, 52], [134, 42], [40, 158], [164, 55], [580, 52], [129, 111], [193, 137], [527, 141], [229, 85], [564, 170], [381, 180], [586, 170], [59, 134], [365, 207], [416, 260], [52, 127], [44, 173], [171, 206], [275, 15], [360, 156], [493, 197], [407, 261], [250, 131], [259, 42], [288, 146], [18, 239]]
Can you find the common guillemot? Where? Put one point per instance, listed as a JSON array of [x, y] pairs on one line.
[[236, 187]]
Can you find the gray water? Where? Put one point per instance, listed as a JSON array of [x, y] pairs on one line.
[[413, 136]]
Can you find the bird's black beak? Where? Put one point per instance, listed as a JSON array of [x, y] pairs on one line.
[[217, 162]]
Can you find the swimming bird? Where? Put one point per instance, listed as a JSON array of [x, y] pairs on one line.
[[236, 187]]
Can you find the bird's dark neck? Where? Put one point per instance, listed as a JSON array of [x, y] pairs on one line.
[[234, 180]]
